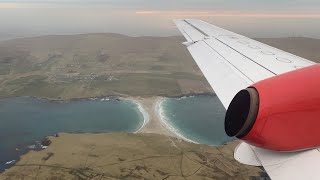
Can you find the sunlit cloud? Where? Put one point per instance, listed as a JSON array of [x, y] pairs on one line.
[[146, 12], [175, 13], [228, 14]]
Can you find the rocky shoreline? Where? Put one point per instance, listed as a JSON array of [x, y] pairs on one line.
[[129, 156], [153, 127]]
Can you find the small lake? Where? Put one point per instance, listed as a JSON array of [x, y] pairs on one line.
[[199, 119], [25, 121]]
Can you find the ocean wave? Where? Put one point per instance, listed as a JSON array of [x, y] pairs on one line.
[[104, 99], [165, 121], [10, 162], [144, 113], [37, 146], [33, 146]]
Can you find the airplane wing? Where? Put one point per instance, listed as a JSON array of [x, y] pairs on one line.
[[232, 62]]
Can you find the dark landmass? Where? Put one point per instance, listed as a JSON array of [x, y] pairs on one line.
[[129, 156]]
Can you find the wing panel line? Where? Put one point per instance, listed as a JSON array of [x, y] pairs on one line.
[[228, 62], [246, 56], [205, 34], [215, 32], [229, 47]]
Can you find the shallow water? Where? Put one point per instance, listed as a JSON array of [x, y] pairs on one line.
[[25, 121], [196, 118]]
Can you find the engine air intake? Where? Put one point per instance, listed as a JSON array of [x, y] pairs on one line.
[[242, 113]]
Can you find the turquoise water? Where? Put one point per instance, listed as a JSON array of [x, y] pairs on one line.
[[197, 118], [25, 121]]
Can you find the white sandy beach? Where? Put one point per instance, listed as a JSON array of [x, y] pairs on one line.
[[152, 122], [155, 120]]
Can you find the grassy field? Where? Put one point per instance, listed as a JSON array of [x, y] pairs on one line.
[[129, 156], [91, 65], [80, 66]]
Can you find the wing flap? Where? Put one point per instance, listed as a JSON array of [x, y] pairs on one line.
[[281, 165], [290, 165]]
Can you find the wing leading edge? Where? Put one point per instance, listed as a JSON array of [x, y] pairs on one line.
[[231, 62]]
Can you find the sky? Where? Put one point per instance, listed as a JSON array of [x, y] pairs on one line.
[[253, 18]]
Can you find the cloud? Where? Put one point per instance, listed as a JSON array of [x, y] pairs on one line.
[[252, 5], [8, 5], [228, 14], [185, 8], [146, 12]]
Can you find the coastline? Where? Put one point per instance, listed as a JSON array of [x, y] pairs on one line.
[[113, 95], [110, 156], [154, 118], [145, 114], [39, 143], [157, 122], [162, 117], [154, 122]]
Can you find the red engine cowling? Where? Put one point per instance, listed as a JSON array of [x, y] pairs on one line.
[[281, 113]]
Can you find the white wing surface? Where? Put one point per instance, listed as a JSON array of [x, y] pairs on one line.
[[231, 62]]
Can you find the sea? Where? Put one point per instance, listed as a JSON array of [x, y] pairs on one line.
[[198, 119], [25, 121]]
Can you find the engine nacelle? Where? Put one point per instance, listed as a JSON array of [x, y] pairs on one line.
[[281, 113]]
